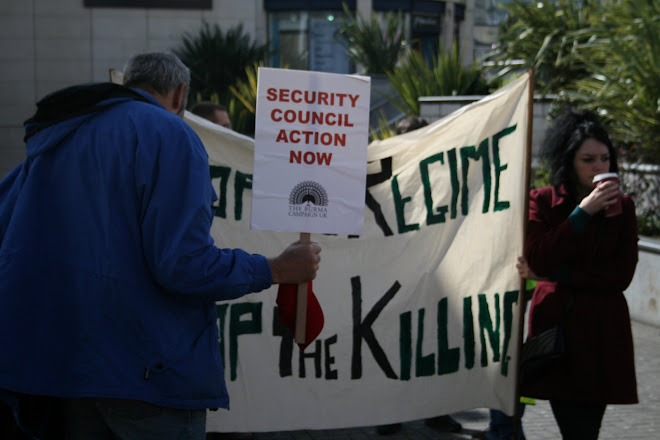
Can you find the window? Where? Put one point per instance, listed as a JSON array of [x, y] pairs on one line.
[[165, 4], [303, 40]]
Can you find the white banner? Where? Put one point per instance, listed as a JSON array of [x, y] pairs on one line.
[[310, 152], [421, 311]]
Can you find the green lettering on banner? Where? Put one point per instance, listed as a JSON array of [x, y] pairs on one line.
[[486, 326], [448, 358], [431, 217], [470, 152], [286, 345], [500, 206], [330, 373], [455, 185], [362, 330], [374, 179], [424, 364], [510, 298], [243, 181], [223, 174], [405, 344], [246, 318], [238, 326], [309, 354], [286, 352], [399, 207], [468, 333]]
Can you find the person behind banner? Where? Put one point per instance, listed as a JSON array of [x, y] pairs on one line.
[[108, 272], [216, 113], [410, 123], [591, 258]]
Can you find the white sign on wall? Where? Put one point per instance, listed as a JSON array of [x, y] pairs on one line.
[[310, 152]]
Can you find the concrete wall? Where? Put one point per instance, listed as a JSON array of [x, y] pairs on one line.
[[643, 295], [50, 44], [433, 108]]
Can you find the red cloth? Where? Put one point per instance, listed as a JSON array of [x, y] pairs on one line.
[[286, 310]]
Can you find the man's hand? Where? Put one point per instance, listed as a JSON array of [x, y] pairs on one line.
[[297, 264]]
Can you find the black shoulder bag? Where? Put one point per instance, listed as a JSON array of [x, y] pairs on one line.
[[540, 352]]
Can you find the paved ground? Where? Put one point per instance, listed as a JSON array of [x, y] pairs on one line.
[[634, 422]]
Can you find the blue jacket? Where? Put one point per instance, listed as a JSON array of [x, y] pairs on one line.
[[108, 272]]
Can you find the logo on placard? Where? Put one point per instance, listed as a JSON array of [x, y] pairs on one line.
[[308, 199]]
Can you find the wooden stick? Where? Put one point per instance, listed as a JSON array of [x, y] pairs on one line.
[[301, 302], [523, 282]]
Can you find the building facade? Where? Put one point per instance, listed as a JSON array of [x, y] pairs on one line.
[[50, 44]]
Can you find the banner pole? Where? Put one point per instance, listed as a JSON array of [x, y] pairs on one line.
[[301, 301], [517, 422]]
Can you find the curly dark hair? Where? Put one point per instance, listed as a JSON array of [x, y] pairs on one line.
[[562, 140]]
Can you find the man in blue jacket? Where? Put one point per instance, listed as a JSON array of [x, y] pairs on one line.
[[108, 271]]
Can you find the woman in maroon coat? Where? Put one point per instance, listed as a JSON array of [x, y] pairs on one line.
[[590, 258]]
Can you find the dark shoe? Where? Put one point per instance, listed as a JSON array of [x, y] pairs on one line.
[[388, 429], [490, 435], [444, 424], [229, 436]]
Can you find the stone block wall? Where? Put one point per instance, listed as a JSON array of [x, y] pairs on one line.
[[50, 44]]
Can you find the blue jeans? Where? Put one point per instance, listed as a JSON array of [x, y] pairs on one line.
[[120, 419], [501, 425]]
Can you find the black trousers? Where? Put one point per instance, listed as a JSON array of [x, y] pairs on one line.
[[40, 417], [8, 428], [578, 420]]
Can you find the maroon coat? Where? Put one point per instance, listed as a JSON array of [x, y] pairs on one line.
[[596, 266]]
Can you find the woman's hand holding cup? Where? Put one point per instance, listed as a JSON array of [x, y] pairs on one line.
[[605, 195]]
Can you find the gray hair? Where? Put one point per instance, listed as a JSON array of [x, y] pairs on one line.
[[156, 72]]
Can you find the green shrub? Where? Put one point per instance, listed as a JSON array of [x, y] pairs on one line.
[[374, 44], [217, 60], [444, 76]]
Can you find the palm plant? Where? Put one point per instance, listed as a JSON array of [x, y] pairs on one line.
[[603, 56], [384, 130], [374, 44], [217, 59], [244, 93], [445, 76], [623, 54], [245, 90], [536, 36]]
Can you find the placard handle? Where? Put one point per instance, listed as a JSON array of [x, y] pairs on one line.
[[301, 302]]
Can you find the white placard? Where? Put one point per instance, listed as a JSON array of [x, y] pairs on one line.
[[310, 152]]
